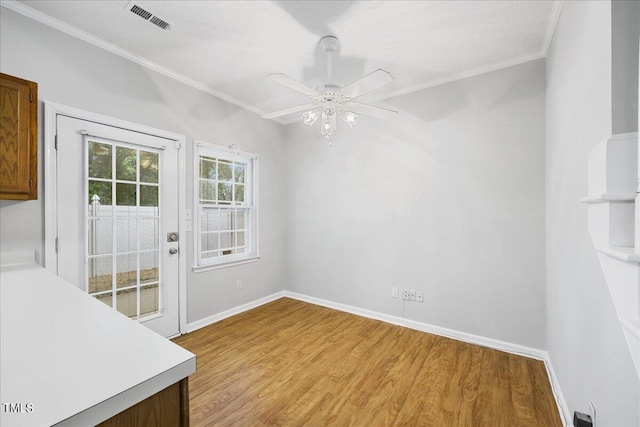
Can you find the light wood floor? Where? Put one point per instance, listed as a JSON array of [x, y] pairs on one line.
[[291, 363]]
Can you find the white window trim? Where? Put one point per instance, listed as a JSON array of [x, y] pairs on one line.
[[252, 256]]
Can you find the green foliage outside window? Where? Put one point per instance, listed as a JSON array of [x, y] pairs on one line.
[[126, 169]]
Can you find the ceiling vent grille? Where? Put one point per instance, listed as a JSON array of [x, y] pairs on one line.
[[141, 12], [148, 16], [160, 23]]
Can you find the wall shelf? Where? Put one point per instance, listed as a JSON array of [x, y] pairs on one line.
[[610, 197], [620, 252], [614, 226]]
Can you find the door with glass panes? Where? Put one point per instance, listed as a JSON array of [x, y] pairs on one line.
[[117, 218]]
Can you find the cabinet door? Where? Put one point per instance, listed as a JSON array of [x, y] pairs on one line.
[[18, 138]]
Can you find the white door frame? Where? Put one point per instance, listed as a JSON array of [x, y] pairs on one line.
[[51, 110]]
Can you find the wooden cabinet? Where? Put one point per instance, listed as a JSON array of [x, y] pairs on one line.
[[167, 408], [18, 138]]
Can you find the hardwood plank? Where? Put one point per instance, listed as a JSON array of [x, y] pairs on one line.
[[545, 405], [494, 405], [522, 391], [291, 363]]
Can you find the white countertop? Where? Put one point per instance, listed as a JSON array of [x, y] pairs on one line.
[[72, 358]]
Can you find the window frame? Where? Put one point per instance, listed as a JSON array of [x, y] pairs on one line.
[[205, 149]]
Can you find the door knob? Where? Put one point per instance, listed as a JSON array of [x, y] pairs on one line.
[[173, 251]]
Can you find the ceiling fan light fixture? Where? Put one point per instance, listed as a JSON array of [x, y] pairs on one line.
[[328, 123], [331, 98], [349, 117], [310, 117]]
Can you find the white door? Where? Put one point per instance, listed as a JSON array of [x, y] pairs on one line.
[[117, 210]]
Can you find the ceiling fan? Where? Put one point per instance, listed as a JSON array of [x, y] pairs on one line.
[[333, 99]]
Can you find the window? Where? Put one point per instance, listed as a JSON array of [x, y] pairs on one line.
[[225, 197]]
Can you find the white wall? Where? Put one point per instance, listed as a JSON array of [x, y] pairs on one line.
[[584, 339], [446, 198], [625, 16], [74, 73]]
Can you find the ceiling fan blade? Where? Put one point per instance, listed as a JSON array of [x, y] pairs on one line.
[[367, 83], [369, 110], [296, 109], [285, 80]]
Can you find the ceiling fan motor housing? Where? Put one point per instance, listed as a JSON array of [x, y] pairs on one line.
[[329, 43]]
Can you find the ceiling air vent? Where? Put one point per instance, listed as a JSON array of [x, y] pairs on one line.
[[160, 23], [141, 12], [148, 16]]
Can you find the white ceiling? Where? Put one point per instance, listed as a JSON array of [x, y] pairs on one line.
[[229, 47]]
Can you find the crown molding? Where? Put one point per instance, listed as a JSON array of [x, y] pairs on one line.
[[98, 42], [444, 80], [466, 74], [36, 15], [553, 23]]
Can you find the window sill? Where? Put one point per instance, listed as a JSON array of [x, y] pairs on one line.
[[203, 268]]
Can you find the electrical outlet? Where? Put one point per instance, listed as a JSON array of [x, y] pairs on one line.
[[394, 292], [419, 296], [412, 295], [238, 284], [593, 413], [405, 294]]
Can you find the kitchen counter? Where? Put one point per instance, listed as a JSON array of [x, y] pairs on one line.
[[68, 359]]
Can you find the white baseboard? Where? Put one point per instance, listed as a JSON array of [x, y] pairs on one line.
[[557, 392], [425, 327], [193, 326], [457, 335], [419, 326]]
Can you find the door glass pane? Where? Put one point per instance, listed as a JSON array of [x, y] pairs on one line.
[[100, 236], [127, 268], [127, 302], [149, 303], [100, 274], [125, 194], [126, 164], [149, 195], [99, 195], [134, 222], [126, 234], [148, 167], [149, 267], [106, 298], [100, 160], [149, 233]]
